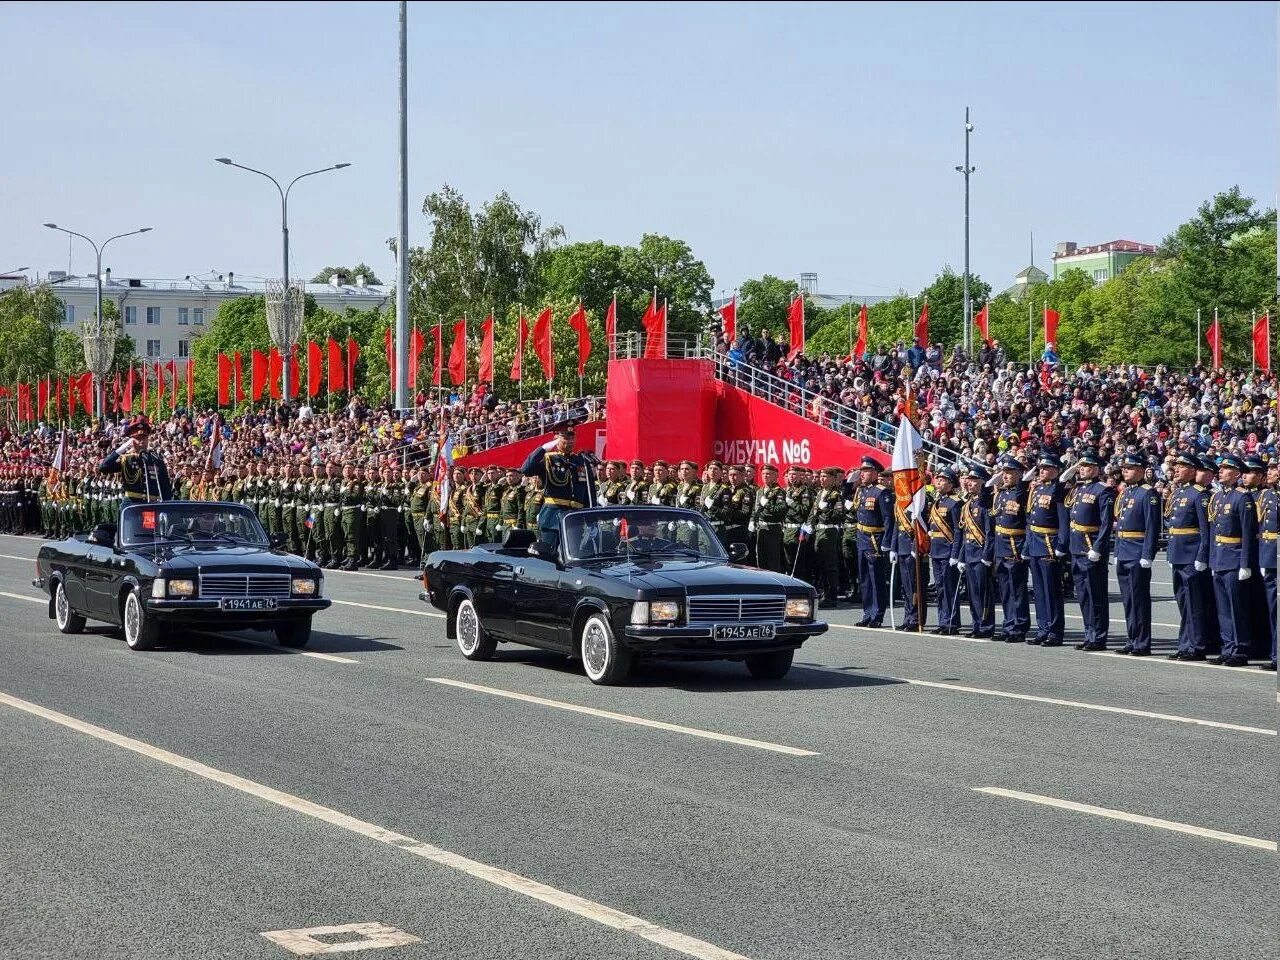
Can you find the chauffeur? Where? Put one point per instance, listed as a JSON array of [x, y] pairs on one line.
[[1187, 523], [1137, 540], [1009, 519], [143, 474], [1046, 548], [944, 525], [1091, 520], [1233, 553], [977, 551], [873, 505]]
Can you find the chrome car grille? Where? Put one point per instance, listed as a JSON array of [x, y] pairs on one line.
[[768, 609], [215, 586]]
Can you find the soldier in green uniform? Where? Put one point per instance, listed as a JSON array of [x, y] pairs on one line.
[[331, 549], [738, 511], [827, 521], [796, 550], [372, 503], [511, 505], [533, 497], [456, 508], [422, 517], [271, 500], [387, 550], [491, 505], [299, 509], [715, 500], [473, 508], [611, 489], [767, 517], [636, 490], [351, 506], [662, 492]]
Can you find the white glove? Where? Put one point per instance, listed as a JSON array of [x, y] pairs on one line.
[[479, 531], [1144, 563], [125, 447], [893, 558], [986, 563], [956, 563], [1244, 574], [655, 500], [1200, 566], [709, 502], [806, 529], [848, 504], [1059, 555], [751, 527], [552, 445], [1094, 556]]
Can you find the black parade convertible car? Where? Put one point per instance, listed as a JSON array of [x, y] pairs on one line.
[[625, 583], [180, 564]]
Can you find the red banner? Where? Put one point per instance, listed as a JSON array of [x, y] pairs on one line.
[[437, 359], [225, 373], [980, 322], [416, 345], [578, 323], [485, 371], [295, 370], [389, 348], [795, 327], [42, 397], [336, 369], [522, 337], [654, 322], [921, 331], [275, 373], [1262, 343], [729, 317], [257, 375], [1214, 336], [860, 348], [542, 346], [240, 394], [127, 404], [611, 327], [191, 382], [458, 354], [1050, 328], [315, 368], [173, 384], [353, 354]]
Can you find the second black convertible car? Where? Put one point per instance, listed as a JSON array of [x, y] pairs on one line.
[[625, 583], [176, 564]]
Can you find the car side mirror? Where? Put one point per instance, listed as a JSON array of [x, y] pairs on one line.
[[544, 551], [738, 552], [277, 540]]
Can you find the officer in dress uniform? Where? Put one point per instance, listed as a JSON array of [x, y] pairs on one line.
[[768, 514], [1269, 540], [976, 551], [903, 555], [567, 482], [738, 509], [1187, 525], [826, 522], [1233, 554], [495, 487], [944, 526], [795, 543], [1091, 515], [1253, 481], [1009, 524], [1137, 531], [873, 505], [422, 516], [1047, 529], [143, 474]]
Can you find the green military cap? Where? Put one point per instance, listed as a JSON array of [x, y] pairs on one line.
[[661, 463], [769, 468], [637, 462], [833, 471], [688, 463]]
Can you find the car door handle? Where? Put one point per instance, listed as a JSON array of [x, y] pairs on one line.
[[519, 571]]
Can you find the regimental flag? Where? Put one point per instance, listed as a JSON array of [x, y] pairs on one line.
[[578, 323], [908, 480], [860, 348], [729, 318], [214, 460], [1050, 327], [1262, 343], [980, 321], [795, 327], [921, 331], [59, 464], [443, 475]]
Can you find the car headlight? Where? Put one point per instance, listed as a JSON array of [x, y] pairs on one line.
[[157, 588], [664, 611], [305, 588], [799, 608], [182, 588]]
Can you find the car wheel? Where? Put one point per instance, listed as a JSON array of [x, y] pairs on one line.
[[67, 619], [604, 660], [770, 666], [294, 633], [474, 641], [140, 631]]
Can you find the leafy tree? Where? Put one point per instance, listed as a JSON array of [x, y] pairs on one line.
[[347, 275], [763, 305], [945, 297], [681, 279], [30, 319]]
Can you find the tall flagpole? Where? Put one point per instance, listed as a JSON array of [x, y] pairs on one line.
[[402, 244], [1198, 335], [1253, 353], [1031, 334]]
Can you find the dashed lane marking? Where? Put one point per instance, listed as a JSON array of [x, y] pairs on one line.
[[514, 882], [1130, 817], [43, 601], [626, 718], [375, 606]]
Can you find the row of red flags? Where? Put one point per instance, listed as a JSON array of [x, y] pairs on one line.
[[266, 372], [47, 398]]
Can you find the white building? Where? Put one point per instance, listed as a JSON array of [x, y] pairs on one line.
[[164, 316]]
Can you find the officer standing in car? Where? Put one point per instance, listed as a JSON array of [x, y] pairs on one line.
[[143, 474], [1091, 516], [565, 484]]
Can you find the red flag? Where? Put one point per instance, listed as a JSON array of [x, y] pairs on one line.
[[729, 316], [336, 369], [24, 401], [542, 344], [115, 400], [42, 396], [980, 321], [353, 354], [225, 373], [437, 342], [295, 370], [458, 354], [860, 348], [578, 323], [86, 392], [173, 384], [142, 371], [611, 327], [240, 394], [1050, 327], [921, 331], [127, 405], [191, 382], [159, 370], [275, 373], [71, 397], [795, 327], [655, 325], [1214, 336], [485, 373], [416, 345], [389, 345], [257, 375], [315, 365], [522, 337], [1262, 343]]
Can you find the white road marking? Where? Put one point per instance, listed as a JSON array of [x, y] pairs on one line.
[[43, 601], [375, 606], [315, 654], [1131, 817], [10, 556], [571, 903], [369, 573], [626, 718], [1239, 728], [307, 942]]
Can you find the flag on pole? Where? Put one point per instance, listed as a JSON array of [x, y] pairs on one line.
[[1214, 336], [1262, 343], [295, 371], [1050, 327], [417, 343], [42, 397], [578, 323], [239, 370], [981, 322], [729, 317], [655, 326], [315, 368], [522, 337], [191, 382], [860, 348], [795, 327], [458, 353], [173, 384], [921, 331], [485, 371], [59, 461], [908, 481], [257, 375], [542, 344], [611, 327], [275, 373], [214, 460], [127, 405], [443, 475], [353, 354], [333, 351]]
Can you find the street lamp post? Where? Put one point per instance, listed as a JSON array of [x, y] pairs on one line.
[[99, 343], [966, 170], [286, 349]]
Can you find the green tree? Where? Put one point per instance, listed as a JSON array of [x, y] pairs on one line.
[[30, 319], [945, 297], [680, 279], [763, 305], [347, 275]]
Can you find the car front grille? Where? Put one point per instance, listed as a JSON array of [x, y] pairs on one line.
[[770, 609], [215, 586]]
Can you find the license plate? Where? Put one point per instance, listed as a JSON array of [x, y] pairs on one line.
[[737, 631], [247, 603]]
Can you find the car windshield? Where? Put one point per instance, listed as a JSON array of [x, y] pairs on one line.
[[642, 531], [194, 522]]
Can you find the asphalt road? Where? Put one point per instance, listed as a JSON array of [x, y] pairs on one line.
[[889, 799]]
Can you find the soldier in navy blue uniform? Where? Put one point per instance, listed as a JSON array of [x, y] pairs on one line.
[[975, 551], [1207, 480], [1137, 540], [1009, 515], [873, 505], [943, 516], [1252, 481], [913, 570], [567, 482], [1233, 555], [1269, 539], [1187, 527], [1046, 549], [1089, 507]]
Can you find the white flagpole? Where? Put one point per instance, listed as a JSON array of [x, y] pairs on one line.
[[1253, 354], [1198, 336], [1031, 334]]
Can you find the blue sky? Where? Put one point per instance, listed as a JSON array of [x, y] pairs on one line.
[[773, 138]]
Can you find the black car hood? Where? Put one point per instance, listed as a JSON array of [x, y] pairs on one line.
[[698, 576], [223, 558]]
